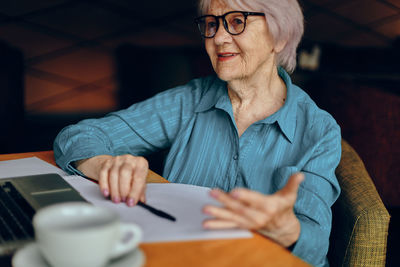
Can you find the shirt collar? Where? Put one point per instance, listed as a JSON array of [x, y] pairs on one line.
[[217, 96], [286, 115]]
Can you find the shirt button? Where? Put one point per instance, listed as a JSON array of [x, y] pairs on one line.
[[235, 157]]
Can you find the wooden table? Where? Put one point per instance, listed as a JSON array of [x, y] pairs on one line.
[[256, 251]]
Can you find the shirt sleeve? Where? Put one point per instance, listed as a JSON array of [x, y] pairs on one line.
[[141, 129], [317, 193]]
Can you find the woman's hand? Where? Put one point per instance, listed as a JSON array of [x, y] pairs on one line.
[[271, 215], [122, 178]]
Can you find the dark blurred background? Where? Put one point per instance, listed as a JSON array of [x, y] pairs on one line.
[[65, 60]]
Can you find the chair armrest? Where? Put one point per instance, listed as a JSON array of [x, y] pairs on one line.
[[360, 219]]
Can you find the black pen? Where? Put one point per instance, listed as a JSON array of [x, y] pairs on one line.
[[157, 212]]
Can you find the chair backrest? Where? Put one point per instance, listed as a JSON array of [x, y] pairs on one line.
[[360, 219]]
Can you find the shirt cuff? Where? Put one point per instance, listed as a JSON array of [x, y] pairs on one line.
[[65, 159], [308, 247]]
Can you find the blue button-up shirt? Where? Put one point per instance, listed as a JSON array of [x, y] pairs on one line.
[[195, 121]]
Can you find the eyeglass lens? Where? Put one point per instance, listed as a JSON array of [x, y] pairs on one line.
[[234, 23]]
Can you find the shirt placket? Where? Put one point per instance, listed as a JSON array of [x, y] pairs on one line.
[[233, 170], [245, 143]]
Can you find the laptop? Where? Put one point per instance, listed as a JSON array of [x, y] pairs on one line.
[[20, 198]]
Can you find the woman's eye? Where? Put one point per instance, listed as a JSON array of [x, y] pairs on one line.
[[211, 25], [237, 21]]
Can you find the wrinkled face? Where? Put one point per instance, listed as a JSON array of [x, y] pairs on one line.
[[240, 56]]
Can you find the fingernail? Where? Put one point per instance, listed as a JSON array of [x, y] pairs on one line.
[[214, 193], [235, 194], [130, 202], [123, 199], [206, 211], [116, 199], [106, 193]]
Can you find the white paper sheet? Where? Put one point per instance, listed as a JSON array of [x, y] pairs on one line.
[[27, 166], [184, 202]]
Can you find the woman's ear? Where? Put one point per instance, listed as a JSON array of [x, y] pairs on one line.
[[279, 46]]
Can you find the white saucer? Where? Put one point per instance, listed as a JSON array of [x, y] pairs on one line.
[[30, 255]]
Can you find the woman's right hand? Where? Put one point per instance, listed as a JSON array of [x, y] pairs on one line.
[[122, 178]]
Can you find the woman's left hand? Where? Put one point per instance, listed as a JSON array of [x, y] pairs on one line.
[[271, 215]]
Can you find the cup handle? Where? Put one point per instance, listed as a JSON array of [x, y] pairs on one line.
[[130, 236]]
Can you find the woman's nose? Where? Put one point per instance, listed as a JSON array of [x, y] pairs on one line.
[[222, 36]]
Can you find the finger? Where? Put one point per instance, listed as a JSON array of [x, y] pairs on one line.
[[289, 191], [113, 180], [227, 200], [221, 213], [245, 217], [249, 205], [138, 187], [219, 224], [250, 198], [103, 178], [143, 197], [263, 210], [125, 180]]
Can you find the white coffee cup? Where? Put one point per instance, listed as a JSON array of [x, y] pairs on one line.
[[81, 234]]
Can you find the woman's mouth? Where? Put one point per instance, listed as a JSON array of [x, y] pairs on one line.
[[226, 56]]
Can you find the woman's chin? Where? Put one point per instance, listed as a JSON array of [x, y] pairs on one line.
[[227, 75]]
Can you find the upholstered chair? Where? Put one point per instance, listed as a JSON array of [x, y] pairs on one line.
[[360, 219]]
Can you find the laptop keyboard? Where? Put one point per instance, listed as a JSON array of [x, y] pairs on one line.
[[15, 215]]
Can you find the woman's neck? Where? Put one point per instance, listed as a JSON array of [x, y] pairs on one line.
[[256, 98]]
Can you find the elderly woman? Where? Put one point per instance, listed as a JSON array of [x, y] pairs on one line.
[[260, 141]]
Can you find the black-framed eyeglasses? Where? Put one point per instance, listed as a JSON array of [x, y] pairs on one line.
[[234, 22]]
